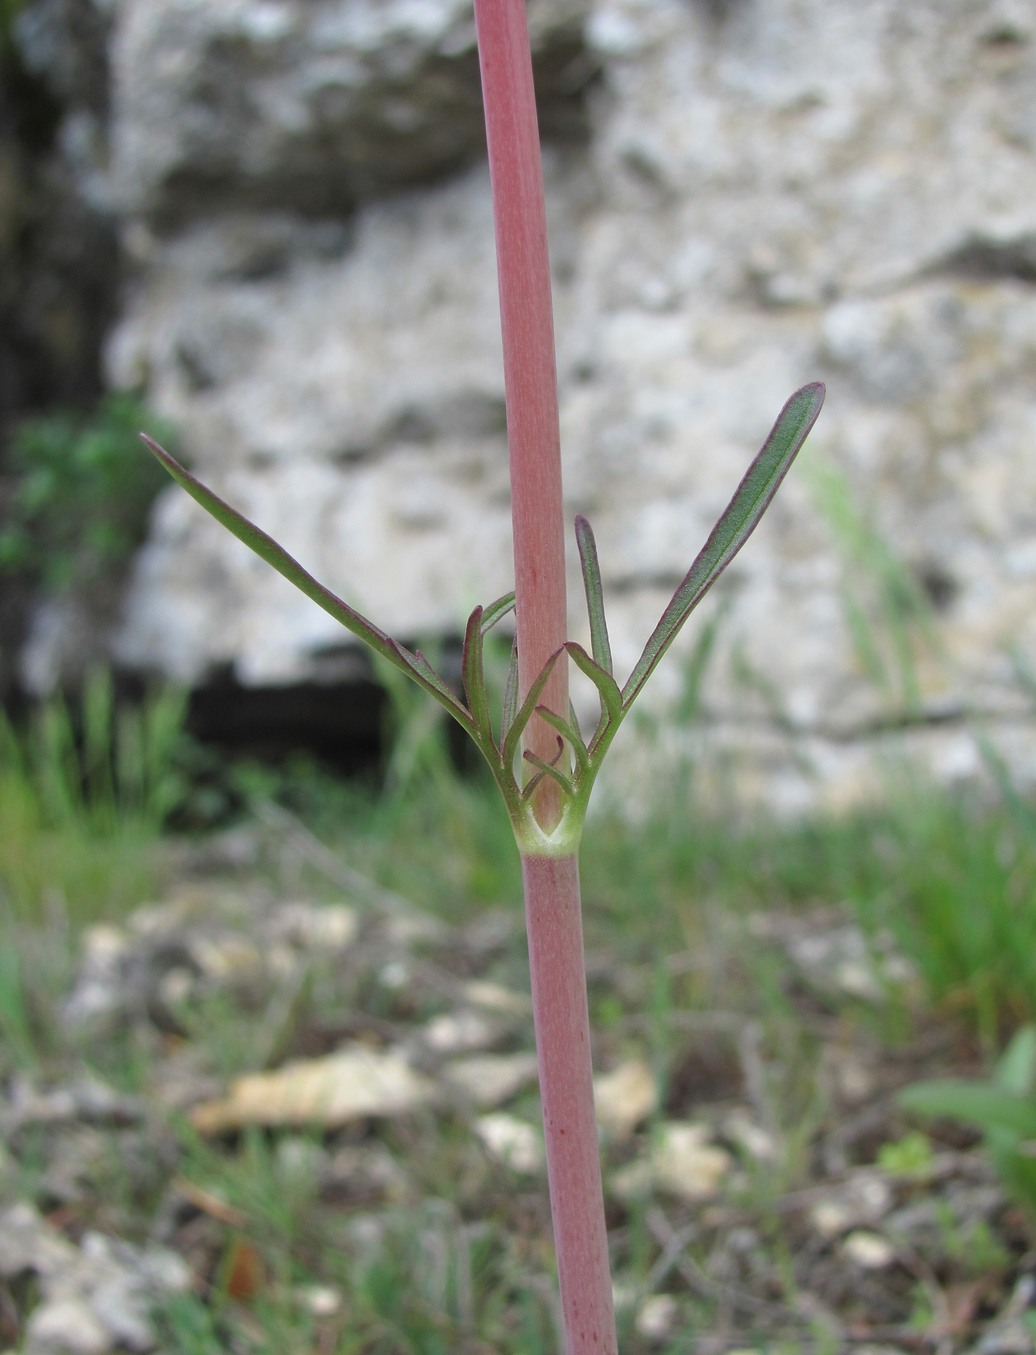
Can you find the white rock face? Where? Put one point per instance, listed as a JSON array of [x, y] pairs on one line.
[[763, 194]]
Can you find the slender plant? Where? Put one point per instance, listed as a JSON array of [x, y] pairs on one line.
[[543, 764]]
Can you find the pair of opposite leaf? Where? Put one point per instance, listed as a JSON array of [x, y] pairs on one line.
[[500, 748]]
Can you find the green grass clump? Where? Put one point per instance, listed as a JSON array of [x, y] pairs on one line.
[[952, 878], [948, 876], [442, 1252], [84, 794]]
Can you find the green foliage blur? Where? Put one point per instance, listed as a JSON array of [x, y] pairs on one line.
[[79, 491], [86, 790], [1003, 1109], [9, 11]]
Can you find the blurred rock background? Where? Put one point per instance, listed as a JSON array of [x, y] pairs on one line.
[[271, 219]]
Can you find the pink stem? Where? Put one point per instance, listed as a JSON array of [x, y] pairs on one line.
[[530, 375], [555, 929], [552, 902]]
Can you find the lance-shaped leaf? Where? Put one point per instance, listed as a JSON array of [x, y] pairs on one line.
[[750, 501], [600, 645], [532, 699], [989, 1108], [416, 666], [550, 769], [569, 730], [607, 689], [510, 701], [496, 611], [474, 678]]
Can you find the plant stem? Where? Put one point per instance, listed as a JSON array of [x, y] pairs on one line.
[[555, 929], [552, 903], [530, 374]]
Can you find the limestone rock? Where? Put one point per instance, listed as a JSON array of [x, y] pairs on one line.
[[682, 1160], [513, 1142], [488, 1080], [262, 102], [624, 1097], [93, 1298], [762, 195]]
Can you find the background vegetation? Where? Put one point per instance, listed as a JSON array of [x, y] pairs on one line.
[[693, 915], [683, 912]]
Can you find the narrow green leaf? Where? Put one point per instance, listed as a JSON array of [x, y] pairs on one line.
[[742, 514], [569, 731], [986, 1107], [524, 715], [474, 678], [1016, 1068], [594, 590], [546, 769], [415, 666], [496, 611], [529, 789], [510, 702], [573, 720], [608, 688]]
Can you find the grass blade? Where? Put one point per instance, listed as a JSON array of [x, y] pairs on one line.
[[751, 499]]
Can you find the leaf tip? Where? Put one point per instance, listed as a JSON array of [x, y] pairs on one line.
[[814, 392], [157, 450]]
